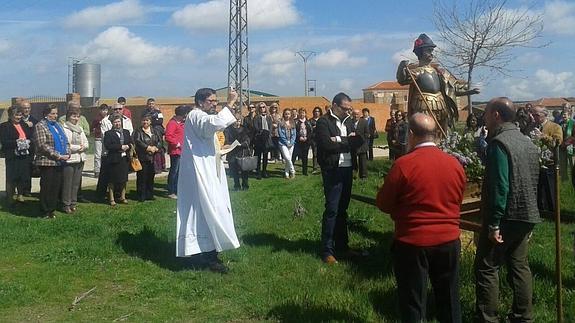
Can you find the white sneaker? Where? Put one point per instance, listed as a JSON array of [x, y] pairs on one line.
[[173, 196]]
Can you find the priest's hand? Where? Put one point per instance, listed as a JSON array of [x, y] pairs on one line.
[[232, 97]]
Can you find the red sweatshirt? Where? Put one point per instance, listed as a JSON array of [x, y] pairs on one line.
[[175, 137], [423, 193]]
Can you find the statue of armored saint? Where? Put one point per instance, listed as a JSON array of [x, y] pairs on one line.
[[435, 89]]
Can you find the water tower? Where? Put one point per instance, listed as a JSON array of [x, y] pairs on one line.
[[86, 81]]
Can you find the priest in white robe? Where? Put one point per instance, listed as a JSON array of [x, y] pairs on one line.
[[204, 217]]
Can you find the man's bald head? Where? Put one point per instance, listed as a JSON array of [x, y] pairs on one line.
[[504, 106], [356, 114], [422, 126]]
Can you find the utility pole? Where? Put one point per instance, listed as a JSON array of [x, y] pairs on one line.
[[305, 55], [238, 76]]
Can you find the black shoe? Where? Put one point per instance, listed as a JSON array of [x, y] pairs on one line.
[[259, 176], [245, 188], [218, 267], [150, 198], [83, 200], [265, 175]]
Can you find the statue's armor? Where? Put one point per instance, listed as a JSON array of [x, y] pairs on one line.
[[430, 86]]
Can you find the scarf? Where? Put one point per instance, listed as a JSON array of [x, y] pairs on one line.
[[76, 133], [60, 140], [120, 133]]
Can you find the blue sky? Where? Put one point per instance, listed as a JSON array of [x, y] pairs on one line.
[[171, 48]]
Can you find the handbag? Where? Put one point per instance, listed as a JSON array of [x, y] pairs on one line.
[[247, 163], [135, 164]]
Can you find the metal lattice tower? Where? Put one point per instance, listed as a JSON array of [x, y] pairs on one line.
[[238, 76]]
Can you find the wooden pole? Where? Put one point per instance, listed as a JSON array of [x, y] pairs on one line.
[[425, 101], [559, 305]]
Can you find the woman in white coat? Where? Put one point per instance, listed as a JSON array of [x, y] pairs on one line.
[[72, 172]]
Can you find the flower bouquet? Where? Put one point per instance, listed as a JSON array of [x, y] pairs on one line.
[[464, 148]]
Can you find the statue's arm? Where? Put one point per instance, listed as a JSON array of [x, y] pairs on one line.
[[402, 75]]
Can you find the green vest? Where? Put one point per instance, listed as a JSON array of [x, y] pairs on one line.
[[523, 159]]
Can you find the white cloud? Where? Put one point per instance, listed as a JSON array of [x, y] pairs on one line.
[[217, 54], [404, 54], [119, 45], [5, 46], [544, 83], [279, 62], [214, 15], [338, 58], [113, 13], [347, 85], [559, 17]]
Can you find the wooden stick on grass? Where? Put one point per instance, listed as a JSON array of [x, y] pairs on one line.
[[78, 299]]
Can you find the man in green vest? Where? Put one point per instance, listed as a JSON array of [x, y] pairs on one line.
[[509, 212], [566, 148]]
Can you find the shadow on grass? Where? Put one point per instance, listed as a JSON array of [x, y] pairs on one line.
[[543, 271], [278, 243], [29, 209], [378, 263], [147, 246], [291, 312], [385, 304]]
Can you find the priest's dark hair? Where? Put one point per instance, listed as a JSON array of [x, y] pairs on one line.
[[339, 98], [203, 94]]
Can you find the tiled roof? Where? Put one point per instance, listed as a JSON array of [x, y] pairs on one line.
[[387, 85], [550, 102]]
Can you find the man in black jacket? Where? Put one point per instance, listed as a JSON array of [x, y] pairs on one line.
[[359, 155], [335, 141]]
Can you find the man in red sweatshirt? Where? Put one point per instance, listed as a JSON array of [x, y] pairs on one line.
[[175, 139], [423, 193]]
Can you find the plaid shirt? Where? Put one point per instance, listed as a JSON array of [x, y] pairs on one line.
[[46, 155]]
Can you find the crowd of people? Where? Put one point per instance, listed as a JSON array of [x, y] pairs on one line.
[[423, 203], [54, 149]]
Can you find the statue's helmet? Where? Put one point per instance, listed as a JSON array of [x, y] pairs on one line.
[[423, 41]]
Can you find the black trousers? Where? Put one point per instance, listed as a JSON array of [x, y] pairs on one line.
[[262, 153], [370, 149], [546, 189], [301, 150], [412, 266], [50, 185], [145, 180], [237, 173], [359, 161], [337, 184]]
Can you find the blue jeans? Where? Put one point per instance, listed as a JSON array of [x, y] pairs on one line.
[[173, 174]]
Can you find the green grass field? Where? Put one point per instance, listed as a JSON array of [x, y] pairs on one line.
[[127, 254]]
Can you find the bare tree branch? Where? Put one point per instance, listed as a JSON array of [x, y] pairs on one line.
[[480, 34]]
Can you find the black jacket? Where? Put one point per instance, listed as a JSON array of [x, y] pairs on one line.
[[327, 150], [8, 137], [242, 135], [262, 138], [113, 145], [308, 129], [361, 130], [142, 140]]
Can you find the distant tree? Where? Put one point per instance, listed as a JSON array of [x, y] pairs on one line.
[[482, 33]]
